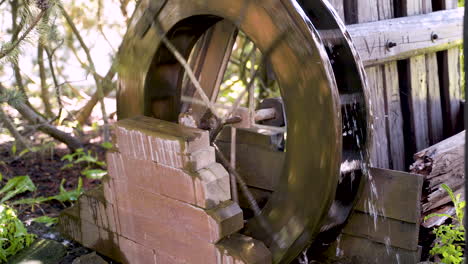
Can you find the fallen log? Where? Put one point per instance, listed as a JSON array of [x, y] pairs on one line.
[[442, 163]]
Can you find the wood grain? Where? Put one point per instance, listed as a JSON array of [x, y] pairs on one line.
[[411, 34], [398, 195]]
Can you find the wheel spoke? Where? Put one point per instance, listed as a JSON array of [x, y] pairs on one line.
[[210, 60]]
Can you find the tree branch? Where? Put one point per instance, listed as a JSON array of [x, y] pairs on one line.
[[42, 75], [97, 78], [4, 53], [20, 140], [35, 119]]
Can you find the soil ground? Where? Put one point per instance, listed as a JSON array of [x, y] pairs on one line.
[[45, 170]]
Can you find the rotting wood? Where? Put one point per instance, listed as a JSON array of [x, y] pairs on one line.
[[412, 35], [442, 163]]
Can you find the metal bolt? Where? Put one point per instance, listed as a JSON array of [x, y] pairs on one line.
[[391, 45], [434, 36]]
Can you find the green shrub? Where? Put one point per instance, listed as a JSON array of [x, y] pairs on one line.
[[13, 235], [450, 239]]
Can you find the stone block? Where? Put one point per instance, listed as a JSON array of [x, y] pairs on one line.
[[205, 188], [243, 249], [133, 252], [164, 142], [212, 186], [69, 223], [94, 208], [208, 225]]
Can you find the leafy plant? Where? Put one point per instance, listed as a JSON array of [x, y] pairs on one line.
[[13, 235], [450, 239], [63, 196], [90, 171], [48, 221]]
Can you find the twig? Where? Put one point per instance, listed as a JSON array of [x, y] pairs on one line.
[[54, 78], [29, 114], [22, 142], [25, 34], [97, 78]]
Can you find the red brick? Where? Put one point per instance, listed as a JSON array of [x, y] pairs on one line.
[[170, 136], [133, 252], [206, 188], [212, 186], [211, 225], [169, 241], [90, 234]]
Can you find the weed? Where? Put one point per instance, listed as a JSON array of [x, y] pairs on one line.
[[90, 171], [13, 235], [450, 239]]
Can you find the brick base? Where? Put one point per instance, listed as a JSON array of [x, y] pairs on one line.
[[166, 200]]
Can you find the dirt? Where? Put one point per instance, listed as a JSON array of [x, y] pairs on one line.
[[45, 170]]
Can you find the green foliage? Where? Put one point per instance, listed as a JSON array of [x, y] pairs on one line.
[[16, 186], [63, 196], [90, 171], [13, 235], [450, 239], [107, 145], [48, 221], [12, 97]]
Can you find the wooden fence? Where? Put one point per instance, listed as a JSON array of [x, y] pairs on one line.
[[411, 50]]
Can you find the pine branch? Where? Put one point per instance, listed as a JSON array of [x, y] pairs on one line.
[[11, 48]]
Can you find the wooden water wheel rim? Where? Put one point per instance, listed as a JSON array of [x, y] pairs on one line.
[[150, 76]]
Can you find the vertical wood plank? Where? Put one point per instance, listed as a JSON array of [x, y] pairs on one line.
[[418, 101], [388, 142], [339, 7], [436, 122], [393, 112], [394, 118], [417, 83], [449, 64], [379, 154], [434, 103]]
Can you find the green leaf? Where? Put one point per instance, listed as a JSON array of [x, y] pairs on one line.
[[16, 186], [94, 174], [48, 221], [65, 195], [23, 152], [107, 145], [32, 201], [13, 149]]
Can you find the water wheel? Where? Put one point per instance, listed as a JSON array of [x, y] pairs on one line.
[[307, 54]]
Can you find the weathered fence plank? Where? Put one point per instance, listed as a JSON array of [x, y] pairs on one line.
[[449, 62], [339, 7], [412, 36], [367, 11], [436, 122], [394, 118]]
